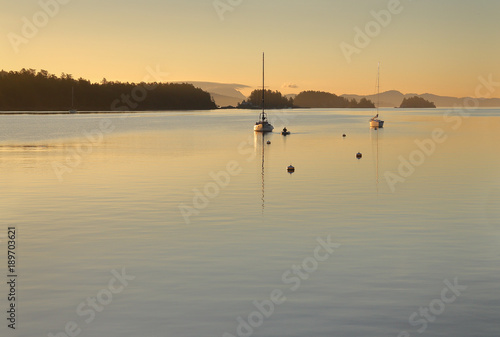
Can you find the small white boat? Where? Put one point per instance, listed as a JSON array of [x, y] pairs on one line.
[[263, 125], [375, 122]]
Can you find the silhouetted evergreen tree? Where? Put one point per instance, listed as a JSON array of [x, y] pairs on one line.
[[365, 104], [29, 90]]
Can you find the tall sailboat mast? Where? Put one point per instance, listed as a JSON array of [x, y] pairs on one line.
[[263, 125], [378, 86], [263, 86], [375, 122]]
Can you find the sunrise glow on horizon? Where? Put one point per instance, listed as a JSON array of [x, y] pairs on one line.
[[424, 46]]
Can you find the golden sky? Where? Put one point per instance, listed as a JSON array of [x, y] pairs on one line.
[[440, 47]]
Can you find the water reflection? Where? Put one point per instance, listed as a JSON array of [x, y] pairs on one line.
[[260, 140], [374, 135], [123, 197]]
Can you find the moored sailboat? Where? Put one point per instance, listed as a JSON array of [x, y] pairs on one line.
[[263, 125], [375, 122]]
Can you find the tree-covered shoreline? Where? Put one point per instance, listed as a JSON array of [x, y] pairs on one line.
[[28, 90]]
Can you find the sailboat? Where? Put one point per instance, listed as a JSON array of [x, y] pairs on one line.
[[73, 110], [375, 122], [263, 125]]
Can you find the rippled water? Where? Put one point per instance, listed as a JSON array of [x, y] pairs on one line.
[[204, 217]]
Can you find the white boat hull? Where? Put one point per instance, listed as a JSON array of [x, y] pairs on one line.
[[377, 123], [263, 127]]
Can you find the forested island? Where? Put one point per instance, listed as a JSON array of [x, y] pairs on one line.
[[306, 99], [27, 90], [416, 102], [273, 100], [321, 99]]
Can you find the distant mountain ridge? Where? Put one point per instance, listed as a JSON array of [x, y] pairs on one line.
[[393, 98], [225, 94]]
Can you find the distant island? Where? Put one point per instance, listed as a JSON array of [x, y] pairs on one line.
[[306, 99], [27, 90], [273, 100], [321, 99], [417, 103]]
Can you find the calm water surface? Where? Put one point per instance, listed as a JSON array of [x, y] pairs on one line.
[[204, 215]]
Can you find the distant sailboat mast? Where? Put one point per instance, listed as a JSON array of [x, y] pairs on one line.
[[375, 122], [378, 87]]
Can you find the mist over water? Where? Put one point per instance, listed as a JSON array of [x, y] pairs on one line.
[[95, 193]]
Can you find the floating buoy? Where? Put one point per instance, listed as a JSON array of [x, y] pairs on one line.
[[268, 142], [344, 135], [359, 155], [290, 169]]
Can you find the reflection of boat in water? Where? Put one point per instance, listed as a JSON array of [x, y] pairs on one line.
[[263, 125], [376, 152], [375, 122], [259, 140]]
